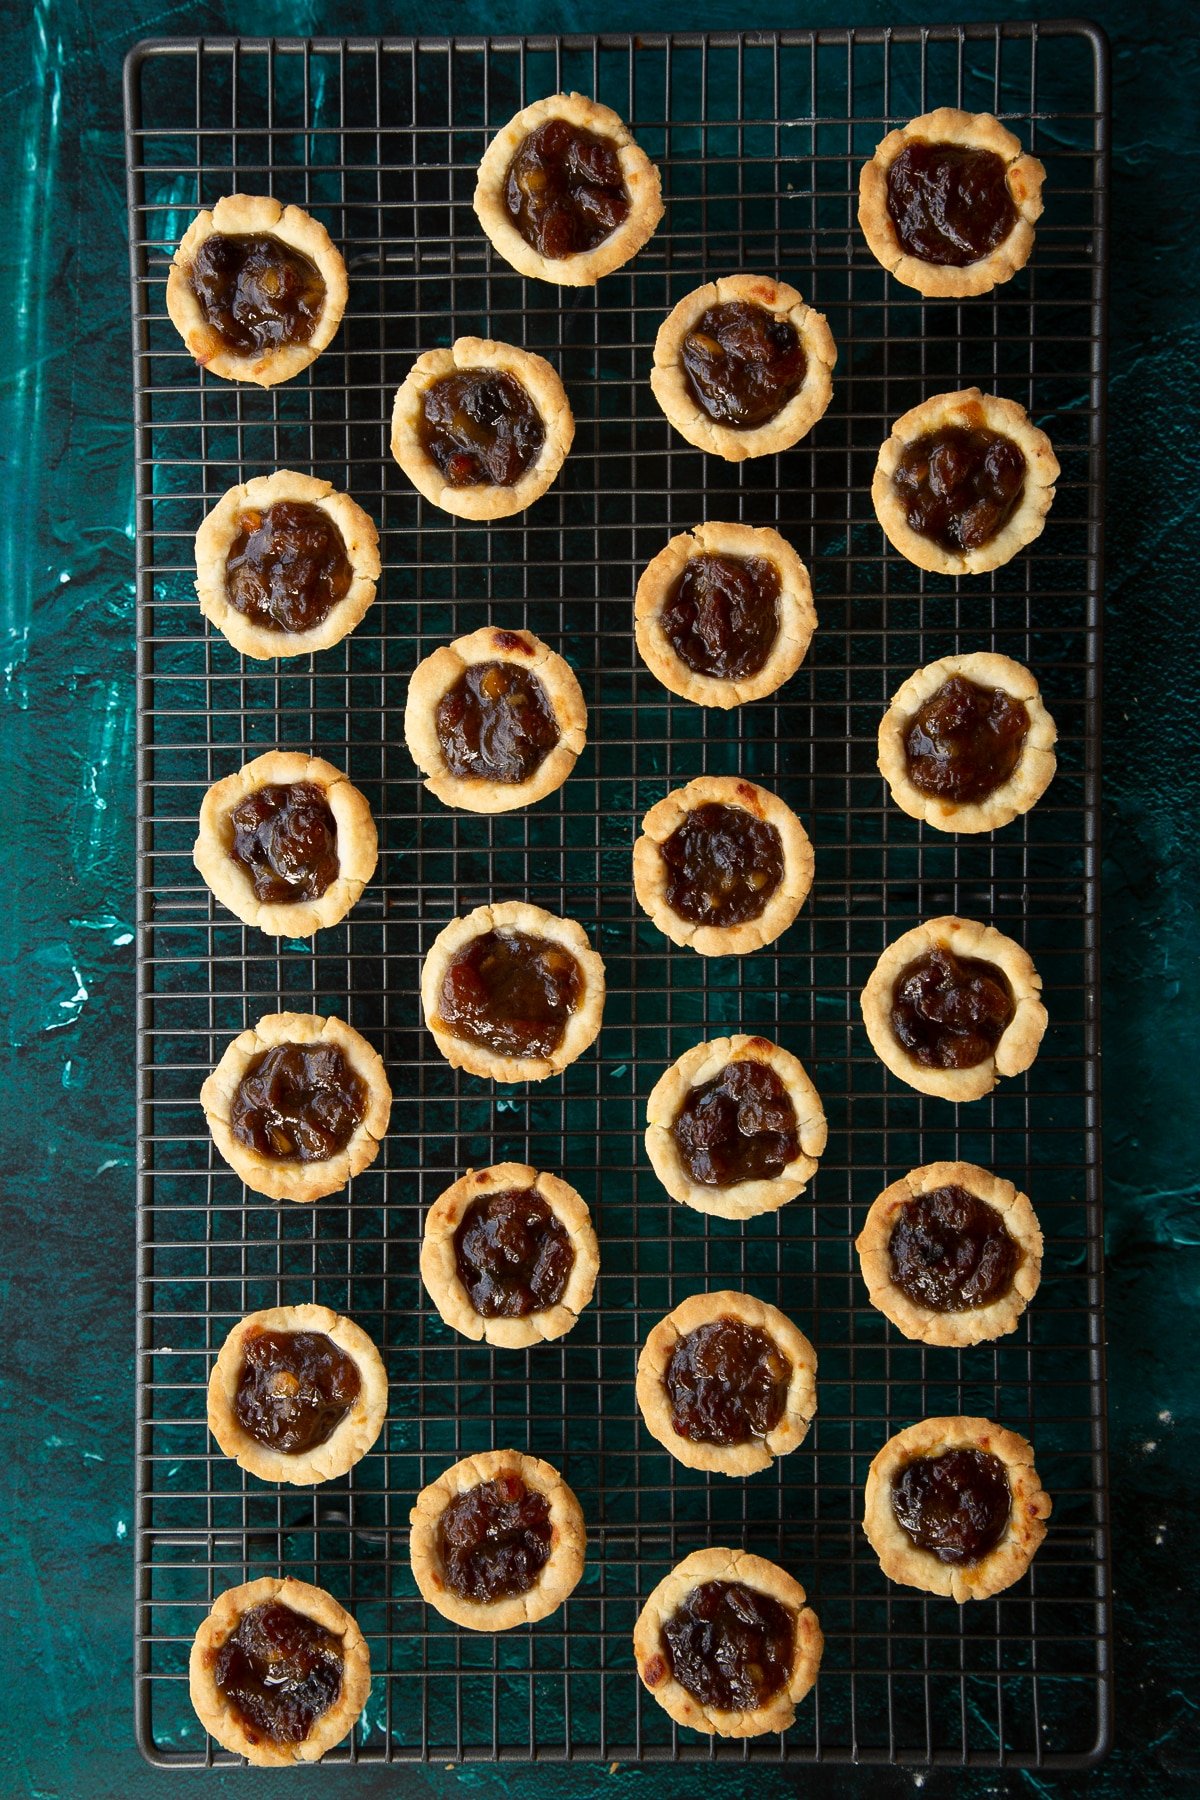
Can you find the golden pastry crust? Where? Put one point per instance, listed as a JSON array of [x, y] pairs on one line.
[[972, 410], [978, 1324], [222, 526], [1019, 1043], [971, 131], [791, 422], [642, 180], [1035, 766], [439, 1267], [354, 1434], [650, 873], [238, 214], [902, 1560], [438, 673], [703, 1063], [487, 500], [755, 1453], [653, 1657], [797, 614], [220, 1719], [357, 844], [583, 1025], [558, 1575], [277, 1178]]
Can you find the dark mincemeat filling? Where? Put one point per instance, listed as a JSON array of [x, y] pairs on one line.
[[955, 1505], [949, 204], [965, 741], [723, 865], [256, 292], [287, 567], [495, 1539], [280, 1671], [950, 1012], [481, 428], [496, 724], [951, 1251], [285, 837], [513, 1254], [511, 992], [727, 1383], [294, 1388], [960, 485], [722, 617], [730, 1645], [565, 192], [743, 364], [298, 1102], [740, 1126]]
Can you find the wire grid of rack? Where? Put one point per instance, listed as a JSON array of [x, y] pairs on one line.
[[760, 138]]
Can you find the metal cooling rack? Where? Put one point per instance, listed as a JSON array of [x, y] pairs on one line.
[[760, 138]]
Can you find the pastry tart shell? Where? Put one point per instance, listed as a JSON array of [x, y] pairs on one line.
[[703, 1063], [487, 500], [433, 677], [653, 1659], [220, 530], [1018, 1045], [1034, 768], [558, 1576], [246, 214], [973, 1325], [222, 1721], [231, 884], [904, 1561], [353, 1436], [439, 1267], [642, 180], [583, 1025], [650, 873], [797, 614], [794, 420], [281, 1179], [655, 1403], [971, 409], [971, 131]]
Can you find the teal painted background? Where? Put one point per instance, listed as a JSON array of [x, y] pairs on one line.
[[66, 932]]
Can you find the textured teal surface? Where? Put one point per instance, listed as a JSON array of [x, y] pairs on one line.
[[65, 544]]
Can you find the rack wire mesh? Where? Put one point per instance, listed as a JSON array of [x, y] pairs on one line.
[[760, 137]]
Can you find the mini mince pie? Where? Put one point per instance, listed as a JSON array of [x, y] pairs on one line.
[[297, 1105], [495, 720], [722, 865], [509, 1255], [735, 1127], [954, 1506], [279, 1672], [565, 194], [966, 743], [952, 1006], [727, 1383], [726, 1644], [297, 1394], [256, 289], [285, 566], [481, 429], [497, 1541], [512, 993], [724, 614], [948, 204], [743, 367], [951, 1254], [964, 482], [287, 844]]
